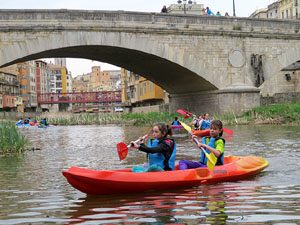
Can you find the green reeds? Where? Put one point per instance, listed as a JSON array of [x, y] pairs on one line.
[[138, 119], [11, 141]]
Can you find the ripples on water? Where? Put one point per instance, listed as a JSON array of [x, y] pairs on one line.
[[33, 190]]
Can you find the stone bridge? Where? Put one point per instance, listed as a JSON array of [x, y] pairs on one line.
[[205, 63]]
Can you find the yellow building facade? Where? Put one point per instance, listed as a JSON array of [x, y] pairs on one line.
[[286, 9], [137, 90]]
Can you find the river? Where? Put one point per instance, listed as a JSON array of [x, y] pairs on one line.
[[34, 191]]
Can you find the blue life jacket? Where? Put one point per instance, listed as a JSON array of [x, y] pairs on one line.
[[159, 158], [203, 159], [21, 122], [205, 124], [176, 122]]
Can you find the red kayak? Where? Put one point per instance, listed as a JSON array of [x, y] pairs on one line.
[[104, 182], [201, 133]]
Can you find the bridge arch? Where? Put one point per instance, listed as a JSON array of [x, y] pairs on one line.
[[147, 61]]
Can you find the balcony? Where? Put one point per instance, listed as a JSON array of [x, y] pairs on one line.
[[11, 83]]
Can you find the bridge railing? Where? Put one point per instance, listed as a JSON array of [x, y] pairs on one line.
[[73, 97]]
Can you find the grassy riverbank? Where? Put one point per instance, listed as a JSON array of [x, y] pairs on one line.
[[11, 141], [278, 114]]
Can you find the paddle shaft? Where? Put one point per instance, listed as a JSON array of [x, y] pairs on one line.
[[196, 140], [140, 139]]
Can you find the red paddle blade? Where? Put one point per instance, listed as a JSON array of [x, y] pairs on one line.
[[181, 112], [122, 150], [227, 131], [187, 116]]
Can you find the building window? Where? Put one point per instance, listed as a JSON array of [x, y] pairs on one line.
[[282, 15], [287, 14]]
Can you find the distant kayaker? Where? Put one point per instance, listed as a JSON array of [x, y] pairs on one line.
[[20, 122], [161, 150], [204, 123], [176, 122], [195, 122], [214, 144], [44, 122]]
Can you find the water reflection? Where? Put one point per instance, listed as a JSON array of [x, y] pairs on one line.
[[180, 206], [218, 204]]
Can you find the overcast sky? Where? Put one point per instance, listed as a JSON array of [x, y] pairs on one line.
[[243, 8]]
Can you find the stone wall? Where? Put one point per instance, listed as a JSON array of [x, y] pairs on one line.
[[280, 98], [152, 108]]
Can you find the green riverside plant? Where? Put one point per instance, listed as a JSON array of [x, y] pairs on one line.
[[11, 141]]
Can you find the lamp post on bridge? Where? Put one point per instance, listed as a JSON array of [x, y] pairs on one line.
[[190, 2], [233, 8]]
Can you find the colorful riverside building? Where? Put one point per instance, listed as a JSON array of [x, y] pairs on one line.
[[9, 89], [296, 9], [60, 82], [285, 9], [281, 9], [96, 81], [25, 96], [42, 81], [138, 91]]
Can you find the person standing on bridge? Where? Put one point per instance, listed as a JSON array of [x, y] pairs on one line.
[[209, 12], [164, 9]]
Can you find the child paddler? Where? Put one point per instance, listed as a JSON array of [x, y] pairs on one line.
[[161, 150], [215, 144]]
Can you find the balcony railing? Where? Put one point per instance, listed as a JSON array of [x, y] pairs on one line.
[[12, 83]]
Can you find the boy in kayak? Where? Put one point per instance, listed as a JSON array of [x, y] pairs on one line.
[[161, 150], [176, 122], [215, 144]]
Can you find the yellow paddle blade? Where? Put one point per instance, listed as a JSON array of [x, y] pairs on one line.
[[185, 126], [212, 160]]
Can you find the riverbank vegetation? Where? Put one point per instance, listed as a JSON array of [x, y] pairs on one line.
[[279, 114], [11, 140], [272, 114], [138, 119]]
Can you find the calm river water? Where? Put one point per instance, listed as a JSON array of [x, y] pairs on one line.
[[34, 191]]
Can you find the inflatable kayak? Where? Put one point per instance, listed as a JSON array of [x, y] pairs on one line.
[[177, 126], [103, 182], [201, 133]]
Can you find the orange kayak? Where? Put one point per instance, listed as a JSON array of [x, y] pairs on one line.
[[103, 182], [201, 133]]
